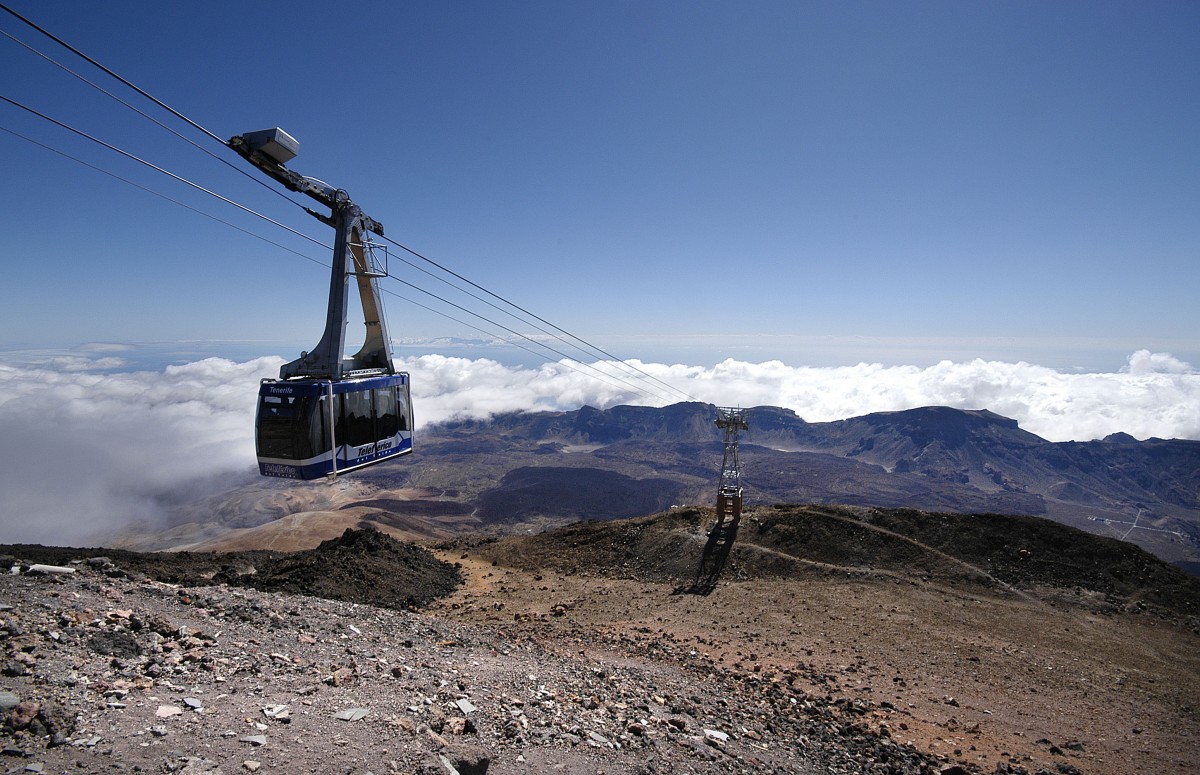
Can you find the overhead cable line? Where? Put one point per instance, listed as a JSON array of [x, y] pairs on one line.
[[596, 349], [608, 378], [600, 350], [498, 308], [567, 363], [644, 391], [158, 194], [152, 166], [148, 117], [131, 85]]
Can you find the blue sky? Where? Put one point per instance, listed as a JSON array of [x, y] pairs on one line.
[[820, 183]]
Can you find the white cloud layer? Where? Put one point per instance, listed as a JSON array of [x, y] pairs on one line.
[[85, 449], [1154, 395]]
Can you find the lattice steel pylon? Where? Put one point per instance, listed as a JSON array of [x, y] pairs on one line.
[[729, 503], [729, 490]]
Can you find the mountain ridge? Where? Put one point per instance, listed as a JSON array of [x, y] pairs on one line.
[[934, 458], [525, 471]]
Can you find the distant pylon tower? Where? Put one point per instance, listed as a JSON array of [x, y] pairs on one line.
[[729, 504], [729, 489]]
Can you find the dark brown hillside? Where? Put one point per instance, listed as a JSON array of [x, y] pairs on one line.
[[990, 551], [573, 493], [662, 548], [361, 566], [1029, 552]]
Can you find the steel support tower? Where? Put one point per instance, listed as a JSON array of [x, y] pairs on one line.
[[729, 489], [729, 503]]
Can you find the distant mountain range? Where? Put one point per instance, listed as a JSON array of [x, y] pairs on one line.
[[629, 460], [521, 472]]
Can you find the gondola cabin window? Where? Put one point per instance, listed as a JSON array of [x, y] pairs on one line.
[[386, 419], [354, 426]]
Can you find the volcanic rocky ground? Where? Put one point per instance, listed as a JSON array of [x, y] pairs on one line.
[[837, 640]]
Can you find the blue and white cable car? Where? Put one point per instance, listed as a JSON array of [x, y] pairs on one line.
[[328, 414], [307, 429]]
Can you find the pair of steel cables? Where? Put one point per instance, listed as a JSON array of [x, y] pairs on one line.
[[625, 375]]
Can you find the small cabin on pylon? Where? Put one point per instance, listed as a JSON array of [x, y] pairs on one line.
[[729, 509]]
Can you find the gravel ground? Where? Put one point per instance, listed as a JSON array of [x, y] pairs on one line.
[[577, 652], [110, 671]]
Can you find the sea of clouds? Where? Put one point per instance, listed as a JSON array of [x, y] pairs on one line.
[[87, 445]]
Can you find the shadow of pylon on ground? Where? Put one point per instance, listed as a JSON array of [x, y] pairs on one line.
[[712, 561]]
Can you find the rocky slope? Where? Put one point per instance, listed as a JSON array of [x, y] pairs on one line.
[[839, 640], [106, 669]]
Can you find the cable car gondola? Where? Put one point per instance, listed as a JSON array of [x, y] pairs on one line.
[[328, 414], [307, 429]]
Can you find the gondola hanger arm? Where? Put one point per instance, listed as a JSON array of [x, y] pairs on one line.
[[270, 149]]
